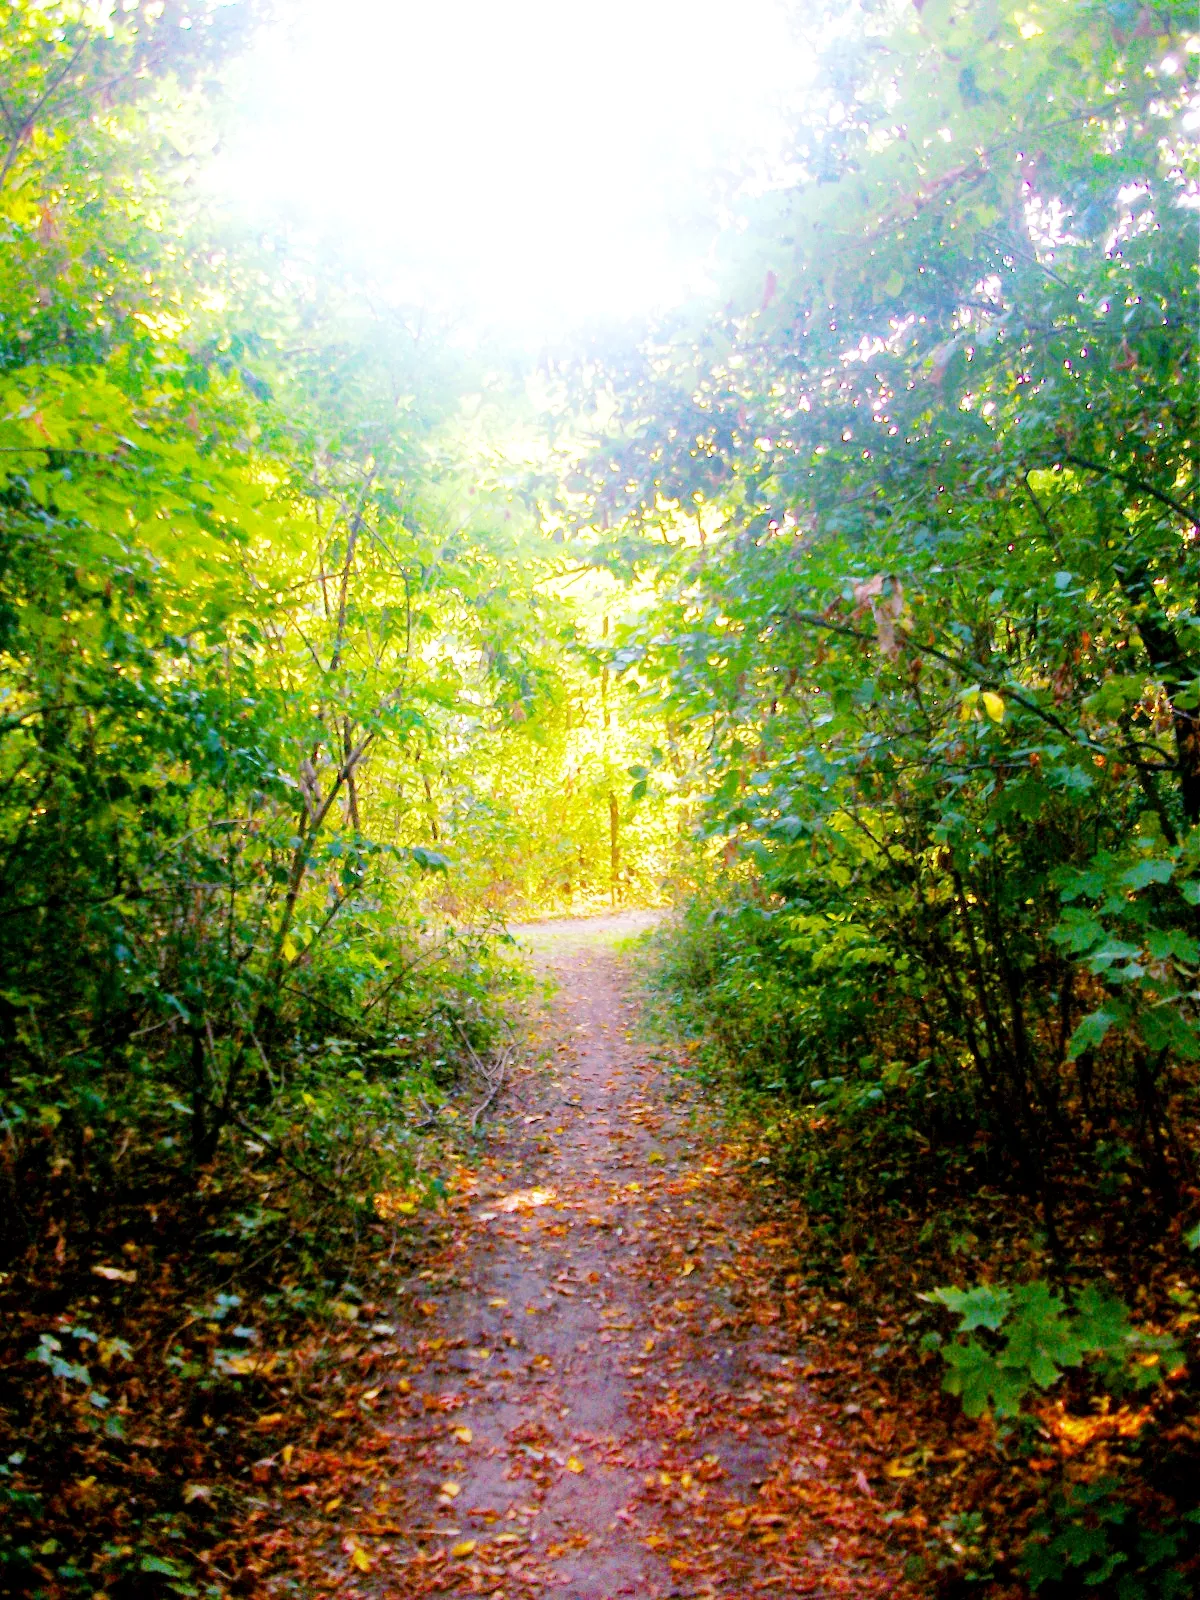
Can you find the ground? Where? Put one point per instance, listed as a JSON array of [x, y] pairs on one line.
[[599, 1385]]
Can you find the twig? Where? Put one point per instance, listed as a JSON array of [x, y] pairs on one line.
[[496, 1081]]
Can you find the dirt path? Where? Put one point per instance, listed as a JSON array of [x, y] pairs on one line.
[[601, 1397]]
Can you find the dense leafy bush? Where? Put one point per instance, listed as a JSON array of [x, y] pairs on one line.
[[924, 541], [921, 510]]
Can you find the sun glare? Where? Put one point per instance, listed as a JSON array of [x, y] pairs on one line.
[[532, 164]]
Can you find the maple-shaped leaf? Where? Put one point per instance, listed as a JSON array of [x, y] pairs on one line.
[[980, 1380], [985, 1306], [1042, 1339]]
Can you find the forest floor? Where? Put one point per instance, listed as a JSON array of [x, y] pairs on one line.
[[599, 1381]]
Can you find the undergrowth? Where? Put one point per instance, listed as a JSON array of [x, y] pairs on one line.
[[162, 1319], [1065, 1370]]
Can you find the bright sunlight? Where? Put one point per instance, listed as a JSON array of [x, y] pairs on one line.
[[533, 164]]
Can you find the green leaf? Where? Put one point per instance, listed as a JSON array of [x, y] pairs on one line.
[[1092, 1031], [985, 1306], [1147, 872], [981, 1381], [161, 1564], [1041, 1339], [429, 860]]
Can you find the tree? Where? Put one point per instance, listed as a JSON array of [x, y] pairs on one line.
[[923, 520]]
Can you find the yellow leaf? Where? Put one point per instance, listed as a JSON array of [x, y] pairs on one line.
[[463, 1435], [360, 1559], [993, 705], [241, 1366], [574, 1464], [526, 1200], [451, 1490], [463, 1549], [498, 1301]]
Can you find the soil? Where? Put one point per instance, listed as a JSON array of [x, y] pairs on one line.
[[598, 1394]]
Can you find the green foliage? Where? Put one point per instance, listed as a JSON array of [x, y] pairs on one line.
[[920, 516], [249, 605], [920, 506], [1091, 1535], [1034, 1337], [296, 695]]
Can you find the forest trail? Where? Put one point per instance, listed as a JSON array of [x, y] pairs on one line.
[[598, 1396]]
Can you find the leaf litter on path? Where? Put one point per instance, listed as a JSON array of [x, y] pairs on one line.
[[601, 1384]]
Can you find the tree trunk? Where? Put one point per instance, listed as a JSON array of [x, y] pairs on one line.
[[614, 843]]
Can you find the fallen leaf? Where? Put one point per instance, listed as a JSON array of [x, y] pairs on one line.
[[526, 1200], [573, 1464], [115, 1274]]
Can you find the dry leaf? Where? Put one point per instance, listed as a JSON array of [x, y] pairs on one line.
[[526, 1200]]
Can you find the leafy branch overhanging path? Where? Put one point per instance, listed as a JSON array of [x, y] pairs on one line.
[[603, 1388]]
